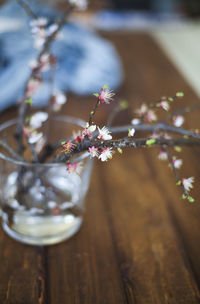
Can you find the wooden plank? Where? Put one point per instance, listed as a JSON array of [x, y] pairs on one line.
[[129, 223], [153, 266], [84, 269], [22, 273]]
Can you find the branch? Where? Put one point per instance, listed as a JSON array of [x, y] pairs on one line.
[[124, 143], [24, 106], [154, 127], [27, 9]]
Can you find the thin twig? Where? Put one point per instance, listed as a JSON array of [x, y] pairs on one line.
[[24, 106], [92, 113], [170, 158], [27, 9]]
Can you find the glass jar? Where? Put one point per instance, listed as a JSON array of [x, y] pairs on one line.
[[42, 203]]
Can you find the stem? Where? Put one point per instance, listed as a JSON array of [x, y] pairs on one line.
[[124, 143], [24, 106], [92, 113], [27, 8], [170, 158]]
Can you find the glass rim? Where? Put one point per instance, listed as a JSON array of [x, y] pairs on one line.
[[64, 118]]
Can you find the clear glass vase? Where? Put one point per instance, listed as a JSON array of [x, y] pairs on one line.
[[42, 204]]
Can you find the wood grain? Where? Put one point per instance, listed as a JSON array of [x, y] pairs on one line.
[[139, 242]]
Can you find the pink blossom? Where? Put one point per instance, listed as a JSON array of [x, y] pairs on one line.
[[104, 134], [68, 146], [106, 95], [106, 154], [93, 151]]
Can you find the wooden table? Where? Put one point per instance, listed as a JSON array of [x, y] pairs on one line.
[[139, 242]]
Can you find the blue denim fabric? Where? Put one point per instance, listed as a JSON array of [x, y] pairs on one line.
[[86, 61]]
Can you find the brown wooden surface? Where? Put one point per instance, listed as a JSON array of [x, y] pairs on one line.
[[139, 242]]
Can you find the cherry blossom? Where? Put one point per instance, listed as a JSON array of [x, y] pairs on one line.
[[40, 144], [37, 119], [135, 121], [39, 22], [93, 151], [187, 183], [178, 120], [150, 116], [162, 155], [52, 29], [106, 95], [59, 99], [164, 105], [106, 154], [142, 110], [88, 130], [104, 134], [68, 146], [177, 163], [34, 137], [131, 132]]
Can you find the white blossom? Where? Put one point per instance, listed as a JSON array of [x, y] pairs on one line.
[[91, 128], [178, 120], [135, 121], [59, 100], [52, 29], [93, 151], [37, 119], [150, 116], [142, 110], [177, 163], [39, 22], [165, 105], [40, 144], [131, 132], [162, 155], [187, 183], [104, 134], [106, 154], [34, 137]]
